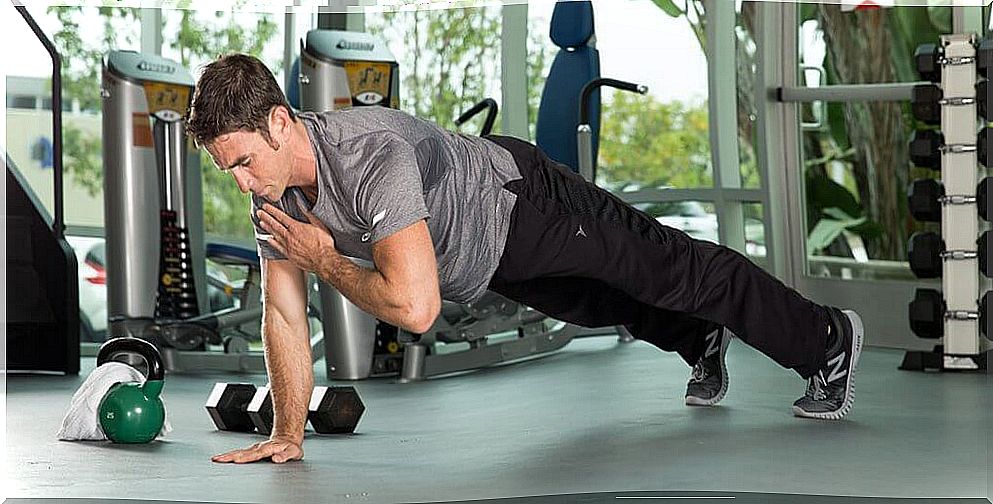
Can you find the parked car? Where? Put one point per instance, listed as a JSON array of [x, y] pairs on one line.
[[689, 216], [91, 259], [693, 219]]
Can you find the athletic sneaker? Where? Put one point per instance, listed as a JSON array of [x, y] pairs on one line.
[[831, 391], [709, 381]]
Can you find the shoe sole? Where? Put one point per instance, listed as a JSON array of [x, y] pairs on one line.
[[699, 401], [858, 331]]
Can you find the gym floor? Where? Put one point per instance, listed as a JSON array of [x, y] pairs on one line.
[[597, 416]]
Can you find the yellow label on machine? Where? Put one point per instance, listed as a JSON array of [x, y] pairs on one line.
[[168, 101], [369, 81]]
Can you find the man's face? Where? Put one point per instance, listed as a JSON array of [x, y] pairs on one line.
[[253, 162]]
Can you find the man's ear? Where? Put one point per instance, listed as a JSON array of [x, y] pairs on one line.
[[279, 123]]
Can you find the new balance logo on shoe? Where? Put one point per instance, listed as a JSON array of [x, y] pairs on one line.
[[581, 232], [713, 343], [836, 365]]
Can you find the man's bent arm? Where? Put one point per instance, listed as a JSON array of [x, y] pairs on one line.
[[286, 339], [403, 289]]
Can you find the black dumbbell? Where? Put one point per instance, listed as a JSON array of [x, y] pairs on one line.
[[984, 57], [240, 407], [984, 258], [982, 198], [924, 199], [927, 58], [982, 98], [982, 141], [924, 253], [335, 410], [925, 148], [927, 314], [984, 319], [924, 103]]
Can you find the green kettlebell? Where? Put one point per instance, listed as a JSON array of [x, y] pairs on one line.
[[132, 412]]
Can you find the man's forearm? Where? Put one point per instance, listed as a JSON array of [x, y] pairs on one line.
[[369, 290], [291, 374]]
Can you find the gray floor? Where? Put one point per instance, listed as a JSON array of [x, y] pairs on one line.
[[594, 417]]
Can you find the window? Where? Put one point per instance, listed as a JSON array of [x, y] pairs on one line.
[[658, 140], [196, 37], [746, 59], [23, 102], [82, 35], [856, 161], [449, 59]]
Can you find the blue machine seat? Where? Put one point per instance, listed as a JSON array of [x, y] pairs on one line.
[[576, 63], [233, 255]]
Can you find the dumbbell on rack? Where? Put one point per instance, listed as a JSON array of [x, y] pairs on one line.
[[926, 196], [927, 146], [928, 313], [927, 58], [984, 60], [926, 101], [982, 193], [926, 254], [243, 408]]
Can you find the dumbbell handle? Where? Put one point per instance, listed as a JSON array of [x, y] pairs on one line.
[[961, 315], [958, 200], [957, 60], [958, 255], [957, 148], [957, 101]]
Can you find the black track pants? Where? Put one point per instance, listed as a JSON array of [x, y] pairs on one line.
[[579, 254]]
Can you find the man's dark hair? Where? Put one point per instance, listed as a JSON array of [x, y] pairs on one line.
[[234, 93]]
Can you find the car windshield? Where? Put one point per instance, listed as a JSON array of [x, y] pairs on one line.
[[691, 209], [97, 255]]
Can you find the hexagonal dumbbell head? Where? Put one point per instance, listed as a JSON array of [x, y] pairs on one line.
[[927, 314], [983, 99], [985, 261], [925, 148], [927, 60], [335, 410], [924, 199], [227, 406], [924, 254], [984, 57], [982, 149], [984, 316], [924, 103], [260, 411], [982, 196]]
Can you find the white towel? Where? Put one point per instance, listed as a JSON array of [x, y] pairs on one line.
[[81, 421]]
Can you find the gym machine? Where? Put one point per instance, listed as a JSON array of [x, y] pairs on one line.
[[953, 100], [156, 288]]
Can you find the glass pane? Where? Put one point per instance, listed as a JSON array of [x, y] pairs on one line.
[[82, 35], [754, 230], [866, 46], [856, 163], [745, 57], [449, 60], [856, 174], [196, 37], [659, 140], [696, 218]]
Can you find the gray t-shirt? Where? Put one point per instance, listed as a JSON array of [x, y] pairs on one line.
[[380, 170]]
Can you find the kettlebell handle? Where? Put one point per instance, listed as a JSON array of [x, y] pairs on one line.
[[134, 346]]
